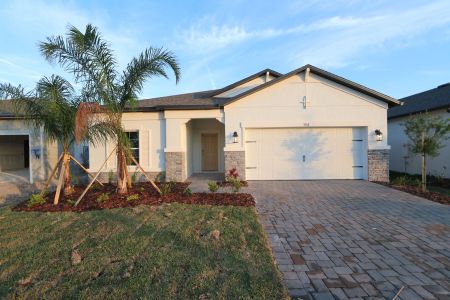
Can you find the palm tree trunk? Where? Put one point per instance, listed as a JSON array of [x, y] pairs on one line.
[[122, 187], [66, 161]]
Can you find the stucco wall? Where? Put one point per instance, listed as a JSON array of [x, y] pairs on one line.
[[151, 128], [328, 104], [402, 160]]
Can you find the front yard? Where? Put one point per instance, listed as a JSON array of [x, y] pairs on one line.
[[159, 252]]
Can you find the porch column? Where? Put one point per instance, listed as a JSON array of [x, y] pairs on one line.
[[175, 151]]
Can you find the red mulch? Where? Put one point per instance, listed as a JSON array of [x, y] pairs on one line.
[[147, 196], [227, 183], [433, 196]]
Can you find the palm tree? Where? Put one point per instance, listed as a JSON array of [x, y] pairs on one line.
[[53, 106], [89, 57]]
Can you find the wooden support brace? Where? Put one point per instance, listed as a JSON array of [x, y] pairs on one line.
[[84, 169], [51, 175], [145, 174], [95, 177]]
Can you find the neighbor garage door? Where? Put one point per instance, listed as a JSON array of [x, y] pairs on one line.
[[305, 153]]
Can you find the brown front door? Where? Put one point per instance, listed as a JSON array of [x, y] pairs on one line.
[[210, 159]]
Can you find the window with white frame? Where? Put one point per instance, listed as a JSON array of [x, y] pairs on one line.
[[133, 136]]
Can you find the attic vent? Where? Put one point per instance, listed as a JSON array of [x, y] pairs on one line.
[[443, 85]]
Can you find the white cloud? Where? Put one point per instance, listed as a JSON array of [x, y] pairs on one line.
[[217, 37], [330, 42]]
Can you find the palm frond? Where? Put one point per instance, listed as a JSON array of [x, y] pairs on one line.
[[151, 62]]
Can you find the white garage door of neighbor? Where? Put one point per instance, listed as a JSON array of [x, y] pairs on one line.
[[305, 153]]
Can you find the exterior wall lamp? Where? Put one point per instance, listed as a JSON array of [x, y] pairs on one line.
[[379, 135], [235, 137]]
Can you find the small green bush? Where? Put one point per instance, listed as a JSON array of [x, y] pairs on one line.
[[166, 188], [236, 184], [133, 197], [188, 192], [96, 186], [401, 181], [35, 199], [103, 197], [141, 189], [213, 186]]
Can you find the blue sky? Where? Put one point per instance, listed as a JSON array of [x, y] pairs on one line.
[[396, 47]]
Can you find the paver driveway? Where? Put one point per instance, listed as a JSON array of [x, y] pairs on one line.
[[355, 239]]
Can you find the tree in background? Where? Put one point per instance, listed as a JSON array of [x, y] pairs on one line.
[[427, 134], [89, 57]]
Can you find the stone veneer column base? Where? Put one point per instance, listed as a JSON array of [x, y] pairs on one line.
[[378, 161], [175, 166], [235, 159]]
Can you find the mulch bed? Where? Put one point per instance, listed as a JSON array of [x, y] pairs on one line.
[[433, 196], [147, 195]]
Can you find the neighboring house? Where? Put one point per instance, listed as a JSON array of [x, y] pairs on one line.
[[24, 152], [437, 102], [306, 124]]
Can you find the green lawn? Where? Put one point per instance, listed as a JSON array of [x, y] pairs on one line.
[[140, 252]]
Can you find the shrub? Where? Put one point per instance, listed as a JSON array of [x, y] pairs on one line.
[[232, 174], [133, 197], [166, 188], [96, 186], [213, 186], [188, 192], [141, 189], [35, 199], [160, 176], [401, 180], [236, 185], [103, 197]]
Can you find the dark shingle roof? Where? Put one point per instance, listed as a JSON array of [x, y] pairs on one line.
[[197, 100], [425, 101], [208, 99]]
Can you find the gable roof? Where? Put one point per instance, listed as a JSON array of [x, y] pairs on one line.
[[348, 83], [433, 99], [210, 100], [196, 100]]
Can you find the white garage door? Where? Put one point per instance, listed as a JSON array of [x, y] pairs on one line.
[[305, 153]]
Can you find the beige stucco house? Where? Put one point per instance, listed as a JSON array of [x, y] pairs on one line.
[[306, 124], [435, 101]]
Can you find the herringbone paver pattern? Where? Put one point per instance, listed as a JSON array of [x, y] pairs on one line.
[[355, 239]]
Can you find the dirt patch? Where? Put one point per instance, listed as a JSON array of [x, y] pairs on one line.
[[436, 197], [141, 193]]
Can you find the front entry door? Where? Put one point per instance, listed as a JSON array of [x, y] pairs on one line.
[[210, 159]]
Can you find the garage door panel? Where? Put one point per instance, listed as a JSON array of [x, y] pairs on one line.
[[305, 153]]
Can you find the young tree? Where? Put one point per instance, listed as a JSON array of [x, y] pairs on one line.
[[427, 134], [53, 106], [88, 56]]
